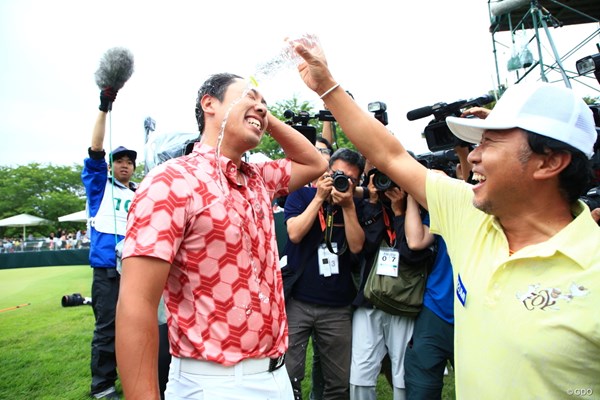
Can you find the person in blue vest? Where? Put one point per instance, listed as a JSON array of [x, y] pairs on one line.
[[109, 192]]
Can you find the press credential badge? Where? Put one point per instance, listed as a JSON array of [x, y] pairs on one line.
[[328, 262], [387, 262]]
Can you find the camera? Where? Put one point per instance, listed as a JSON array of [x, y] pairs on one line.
[[442, 160], [592, 198], [340, 181], [378, 108], [75, 299], [300, 122], [380, 180], [437, 134], [589, 64]]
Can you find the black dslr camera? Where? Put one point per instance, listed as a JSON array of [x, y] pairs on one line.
[[75, 299], [380, 180], [340, 181]]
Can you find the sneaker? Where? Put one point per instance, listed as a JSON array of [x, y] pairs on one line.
[[108, 394]]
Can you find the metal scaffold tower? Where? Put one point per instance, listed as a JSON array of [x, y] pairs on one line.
[[523, 27]]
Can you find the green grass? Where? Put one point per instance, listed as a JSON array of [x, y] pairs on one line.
[[45, 348]]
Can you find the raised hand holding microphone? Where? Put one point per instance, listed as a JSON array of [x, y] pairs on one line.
[[116, 67], [107, 97], [103, 191]]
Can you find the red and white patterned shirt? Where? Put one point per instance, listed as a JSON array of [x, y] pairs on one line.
[[224, 293]]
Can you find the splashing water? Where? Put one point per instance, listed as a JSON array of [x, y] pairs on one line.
[[220, 138], [287, 58]]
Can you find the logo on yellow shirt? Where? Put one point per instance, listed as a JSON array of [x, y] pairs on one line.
[[549, 298]]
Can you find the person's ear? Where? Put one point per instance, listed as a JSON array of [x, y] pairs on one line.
[[208, 104], [552, 164]]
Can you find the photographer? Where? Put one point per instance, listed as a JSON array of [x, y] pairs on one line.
[[325, 238], [381, 333]]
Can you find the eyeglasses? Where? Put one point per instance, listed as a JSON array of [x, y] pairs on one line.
[[324, 150]]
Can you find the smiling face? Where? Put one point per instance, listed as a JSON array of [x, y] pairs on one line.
[[502, 169], [245, 112]]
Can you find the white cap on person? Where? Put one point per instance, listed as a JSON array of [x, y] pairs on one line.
[[546, 109]]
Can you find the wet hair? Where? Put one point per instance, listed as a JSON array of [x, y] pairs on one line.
[[214, 86], [321, 139], [351, 157], [576, 178]]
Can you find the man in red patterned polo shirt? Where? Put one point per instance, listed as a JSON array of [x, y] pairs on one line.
[[201, 232]]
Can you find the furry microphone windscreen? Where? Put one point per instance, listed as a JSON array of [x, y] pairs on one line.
[[116, 67]]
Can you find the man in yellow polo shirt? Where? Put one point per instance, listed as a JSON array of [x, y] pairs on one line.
[[524, 248]]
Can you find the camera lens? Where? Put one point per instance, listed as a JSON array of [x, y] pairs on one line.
[[381, 181], [76, 299], [340, 181]]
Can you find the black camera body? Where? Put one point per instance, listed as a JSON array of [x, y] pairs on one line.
[[300, 122], [442, 160], [380, 180], [437, 134], [592, 198], [340, 181], [75, 299]]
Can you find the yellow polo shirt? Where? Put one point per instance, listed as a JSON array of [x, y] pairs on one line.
[[529, 327]]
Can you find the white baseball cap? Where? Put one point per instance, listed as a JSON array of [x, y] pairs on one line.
[[547, 109]]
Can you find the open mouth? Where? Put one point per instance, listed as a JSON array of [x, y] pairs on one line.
[[478, 177], [254, 122]]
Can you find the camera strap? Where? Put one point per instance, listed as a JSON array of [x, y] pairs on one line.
[[388, 227], [329, 231]]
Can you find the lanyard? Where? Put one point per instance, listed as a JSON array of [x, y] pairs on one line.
[[327, 225], [388, 227]]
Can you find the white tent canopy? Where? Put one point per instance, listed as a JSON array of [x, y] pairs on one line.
[[24, 220], [79, 216]]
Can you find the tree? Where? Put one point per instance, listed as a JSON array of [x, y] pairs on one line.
[[43, 190]]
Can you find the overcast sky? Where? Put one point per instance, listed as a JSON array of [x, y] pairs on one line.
[[406, 54]]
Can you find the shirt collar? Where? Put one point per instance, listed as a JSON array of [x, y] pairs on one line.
[[573, 240], [225, 164]]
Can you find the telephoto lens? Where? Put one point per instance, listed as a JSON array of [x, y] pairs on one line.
[[75, 299]]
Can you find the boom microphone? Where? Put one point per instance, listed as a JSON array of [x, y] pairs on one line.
[[441, 109], [419, 113], [116, 67]]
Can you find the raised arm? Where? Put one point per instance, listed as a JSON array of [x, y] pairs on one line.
[[417, 234], [99, 132], [307, 162], [107, 97], [298, 226], [383, 149], [327, 132]]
